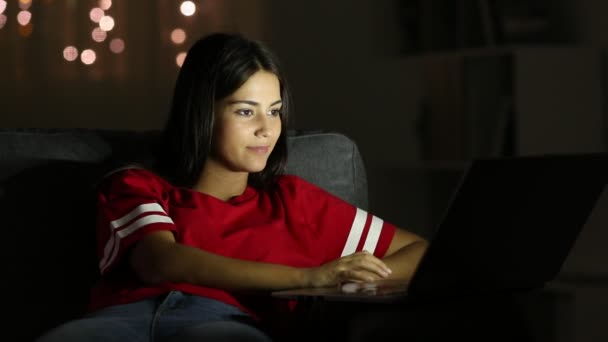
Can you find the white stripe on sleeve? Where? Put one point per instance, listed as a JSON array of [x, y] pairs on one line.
[[116, 224], [355, 232], [373, 235], [140, 209], [133, 227], [114, 240], [144, 221]]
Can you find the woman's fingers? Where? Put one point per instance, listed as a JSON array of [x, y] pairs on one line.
[[369, 262], [358, 267], [359, 276], [363, 266]]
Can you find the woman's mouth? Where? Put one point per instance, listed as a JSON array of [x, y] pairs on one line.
[[259, 149]]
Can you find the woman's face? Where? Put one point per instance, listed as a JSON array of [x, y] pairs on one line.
[[248, 124]]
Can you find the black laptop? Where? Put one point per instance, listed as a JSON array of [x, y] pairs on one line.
[[509, 227]]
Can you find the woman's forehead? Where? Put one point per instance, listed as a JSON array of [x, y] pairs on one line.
[[262, 86]]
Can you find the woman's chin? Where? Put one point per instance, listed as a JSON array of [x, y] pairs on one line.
[[254, 167]]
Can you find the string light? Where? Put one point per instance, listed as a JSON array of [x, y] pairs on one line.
[[96, 14], [88, 57], [24, 17], [25, 4], [105, 4], [178, 36], [106, 23], [117, 45], [187, 8], [70, 53], [179, 59], [99, 35]]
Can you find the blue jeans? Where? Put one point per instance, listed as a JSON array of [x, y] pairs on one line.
[[176, 317]]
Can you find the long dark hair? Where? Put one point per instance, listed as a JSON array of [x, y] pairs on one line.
[[215, 67]]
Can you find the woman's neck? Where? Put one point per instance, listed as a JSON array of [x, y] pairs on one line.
[[221, 183]]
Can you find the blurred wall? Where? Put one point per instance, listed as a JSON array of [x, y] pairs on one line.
[[343, 62]]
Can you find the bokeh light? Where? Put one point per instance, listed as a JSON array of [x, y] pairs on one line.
[[178, 36], [105, 4], [2, 20], [2, 6], [187, 8], [24, 17], [106, 23], [117, 45], [25, 4], [179, 59], [25, 31], [96, 14], [99, 35], [70, 53], [88, 56]]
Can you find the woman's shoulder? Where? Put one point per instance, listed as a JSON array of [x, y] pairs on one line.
[[292, 180], [134, 175], [296, 184], [300, 188]]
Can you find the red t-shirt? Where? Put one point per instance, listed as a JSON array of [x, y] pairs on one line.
[[299, 225]]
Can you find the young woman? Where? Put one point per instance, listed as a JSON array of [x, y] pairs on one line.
[[185, 246]]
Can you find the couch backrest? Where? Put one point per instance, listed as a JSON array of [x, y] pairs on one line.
[[47, 205]]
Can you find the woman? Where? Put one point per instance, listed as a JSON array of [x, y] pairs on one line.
[[185, 246]]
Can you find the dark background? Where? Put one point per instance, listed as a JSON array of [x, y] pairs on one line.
[[421, 86]]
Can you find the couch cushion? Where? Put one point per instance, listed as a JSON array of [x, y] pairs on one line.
[[25, 148], [53, 144], [331, 161]]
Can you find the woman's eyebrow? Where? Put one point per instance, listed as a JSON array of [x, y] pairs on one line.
[[253, 103]]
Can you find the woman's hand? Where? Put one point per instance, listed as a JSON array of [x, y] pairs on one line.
[[360, 266]]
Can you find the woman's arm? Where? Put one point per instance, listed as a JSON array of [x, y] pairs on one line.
[[159, 258], [404, 254]]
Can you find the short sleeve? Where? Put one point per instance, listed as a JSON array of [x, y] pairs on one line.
[[130, 204], [341, 228]]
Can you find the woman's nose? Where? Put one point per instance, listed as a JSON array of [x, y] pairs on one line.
[[263, 125]]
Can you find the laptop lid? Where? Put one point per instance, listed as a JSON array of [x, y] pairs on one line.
[[511, 224]]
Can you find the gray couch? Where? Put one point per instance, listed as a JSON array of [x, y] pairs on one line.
[[47, 184]]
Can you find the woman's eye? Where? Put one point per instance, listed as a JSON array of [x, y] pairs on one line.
[[245, 112], [275, 112]]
